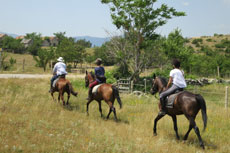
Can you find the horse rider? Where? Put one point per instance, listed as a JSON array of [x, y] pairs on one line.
[[100, 77], [176, 78], [58, 70]]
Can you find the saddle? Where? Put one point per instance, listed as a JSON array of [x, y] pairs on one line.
[[56, 80], [171, 98], [95, 88]]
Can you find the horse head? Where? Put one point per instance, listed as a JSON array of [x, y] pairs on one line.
[[89, 77], [154, 87], [158, 84]]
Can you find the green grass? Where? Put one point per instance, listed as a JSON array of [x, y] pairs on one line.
[[31, 122], [29, 64]]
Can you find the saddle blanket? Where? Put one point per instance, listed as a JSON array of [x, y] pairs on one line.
[[171, 99], [55, 81], [95, 88]]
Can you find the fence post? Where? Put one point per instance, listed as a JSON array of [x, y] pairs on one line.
[[23, 65], [132, 86], [226, 97]]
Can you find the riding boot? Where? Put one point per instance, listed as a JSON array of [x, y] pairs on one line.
[[163, 106], [90, 94]]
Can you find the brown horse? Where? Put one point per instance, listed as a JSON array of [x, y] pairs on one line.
[[106, 92], [185, 103], [63, 85]]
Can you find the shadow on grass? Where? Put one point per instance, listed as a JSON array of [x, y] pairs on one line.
[[71, 107], [195, 142], [116, 121]]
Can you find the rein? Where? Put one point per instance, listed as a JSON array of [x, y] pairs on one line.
[[92, 80]]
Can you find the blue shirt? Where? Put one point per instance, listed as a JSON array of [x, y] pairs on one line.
[[99, 72]]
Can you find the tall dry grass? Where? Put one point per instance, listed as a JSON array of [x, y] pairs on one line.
[[31, 122]]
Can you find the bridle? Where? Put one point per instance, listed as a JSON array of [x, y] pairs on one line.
[[155, 89]]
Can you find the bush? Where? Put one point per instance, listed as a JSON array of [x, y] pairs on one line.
[[197, 41], [69, 66], [162, 73], [109, 77], [121, 72], [209, 40], [220, 45]]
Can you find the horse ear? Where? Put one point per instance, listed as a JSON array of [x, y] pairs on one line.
[[154, 76], [86, 72]]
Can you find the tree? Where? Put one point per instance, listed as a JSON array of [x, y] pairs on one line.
[[174, 47], [139, 19], [37, 43], [61, 36], [12, 45], [84, 43], [44, 56], [70, 51], [102, 52]]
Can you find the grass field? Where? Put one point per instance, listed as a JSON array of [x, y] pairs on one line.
[[31, 122]]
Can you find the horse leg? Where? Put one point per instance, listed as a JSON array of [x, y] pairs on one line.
[[186, 135], [114, 112], [175, 126], [67, 103], [112, 109], [197, 131], [87, 106], [59, 98], [52, 94], [62, 98], [159, 116], [100, 110]]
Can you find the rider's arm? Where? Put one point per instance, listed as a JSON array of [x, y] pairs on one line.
[[169, 82], [55, 69]]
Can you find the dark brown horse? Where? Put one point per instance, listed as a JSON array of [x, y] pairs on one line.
[[63, 85], [106, 92], [185, 103]]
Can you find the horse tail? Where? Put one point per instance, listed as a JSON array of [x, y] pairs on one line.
[[202, 103], [72, 90], [116, 95]]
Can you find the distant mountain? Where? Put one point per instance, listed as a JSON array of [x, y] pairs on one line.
[[96, 41], [10, 34]]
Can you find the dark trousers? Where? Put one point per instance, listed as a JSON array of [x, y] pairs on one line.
[[166, 93]]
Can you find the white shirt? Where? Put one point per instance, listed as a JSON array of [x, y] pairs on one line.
[[60, 68], [178, 78]]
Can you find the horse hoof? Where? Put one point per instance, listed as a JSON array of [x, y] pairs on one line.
[[154, 134], [202, 145]]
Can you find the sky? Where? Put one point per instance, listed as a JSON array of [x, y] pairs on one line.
[[92, 18]]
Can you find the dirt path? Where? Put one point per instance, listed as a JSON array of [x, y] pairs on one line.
[[23, 76]]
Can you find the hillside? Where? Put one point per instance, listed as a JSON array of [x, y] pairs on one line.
[[214, 42]]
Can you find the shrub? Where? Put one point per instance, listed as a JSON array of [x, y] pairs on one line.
[[197, 41], [109, 77], [209, 40]]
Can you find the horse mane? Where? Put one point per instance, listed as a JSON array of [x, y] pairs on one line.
[[163, 80], [93, 76]]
